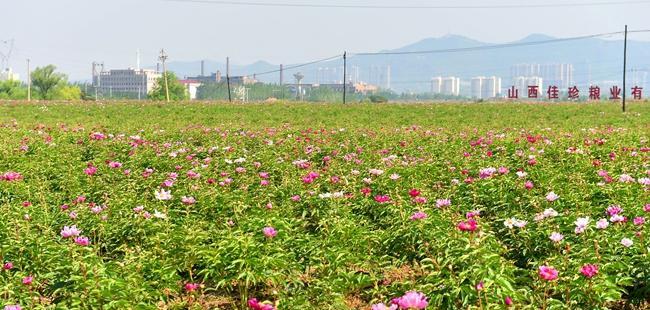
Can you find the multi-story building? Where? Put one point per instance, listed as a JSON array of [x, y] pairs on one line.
[[491, 87], [522, 83], [485, 87], [8, 75], [449, 86], [126, 81], [560, 75]]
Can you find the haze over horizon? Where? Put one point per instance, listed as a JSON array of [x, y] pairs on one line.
[[73, 33]]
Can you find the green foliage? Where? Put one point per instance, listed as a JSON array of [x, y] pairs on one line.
[[46, 82], [177, 91], [11, 89], [338, 251]]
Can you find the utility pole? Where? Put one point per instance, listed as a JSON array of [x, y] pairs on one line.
[[228, 78], [345, 73], [163, 57], [29, 82], [282, 80], [624, 66]]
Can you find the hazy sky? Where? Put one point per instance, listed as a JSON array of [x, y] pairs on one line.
[[73, 33]]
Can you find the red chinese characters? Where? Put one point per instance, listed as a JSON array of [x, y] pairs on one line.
[[513, 93], [637, 92], [615, 93], [553, 92], [574, 93], [533, 91], [594, 93]]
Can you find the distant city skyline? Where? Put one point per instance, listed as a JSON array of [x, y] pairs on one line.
[[73, 33]]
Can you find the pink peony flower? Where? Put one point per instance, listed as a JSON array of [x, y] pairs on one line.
[[414, 193], [548, 273], [418, 216], [11, 176], [8, 266], [115, 164], [71, 231], [28, 280], [508, 301], [188, 200], [382, 198], [413, 300], [269, 232], [614, 210], [529, 185], [12, 307], [82, 241], [626, 242], [589, 270], [550, 197], [470, 225], [556, 237], [191, 287], [441, 203], [638, 221], [381, 306]]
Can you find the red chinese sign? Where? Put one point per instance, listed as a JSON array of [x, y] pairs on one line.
[[573, 93]]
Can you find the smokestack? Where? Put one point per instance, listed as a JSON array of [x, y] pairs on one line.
[[202, 67]]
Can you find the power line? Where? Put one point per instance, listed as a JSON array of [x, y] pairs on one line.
[[498, 46], [418, 7], [297, 66]]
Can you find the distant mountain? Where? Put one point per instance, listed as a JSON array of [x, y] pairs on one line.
[[594, 60]]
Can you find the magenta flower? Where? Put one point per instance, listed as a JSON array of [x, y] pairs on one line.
[[82, 241], [418, 216], [480, 286], [589, 270], [295, 198], [412, 300], [646, 208], [470, 225], [11, 176], [28, 280], [638, 221], [71, 231], [256, 305], [614, 210], [529, 185], [191, 287], [115, 164], [548, 273], [8, 266], [508, 301], [269, 232], [382, 198], [13, 307]]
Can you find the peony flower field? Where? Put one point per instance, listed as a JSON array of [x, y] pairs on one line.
[[324, 206]]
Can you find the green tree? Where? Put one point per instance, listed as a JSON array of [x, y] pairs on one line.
[[45, 81], [176, 90], [67, 92], [12, 90]]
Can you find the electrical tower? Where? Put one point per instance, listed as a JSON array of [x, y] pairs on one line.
[[163, 58]]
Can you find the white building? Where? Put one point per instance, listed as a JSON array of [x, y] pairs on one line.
[[191, 86], [523, 82], [491, 87], [449, 86], [8, 75], [139, 82], [485, 87], [560, 75]]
